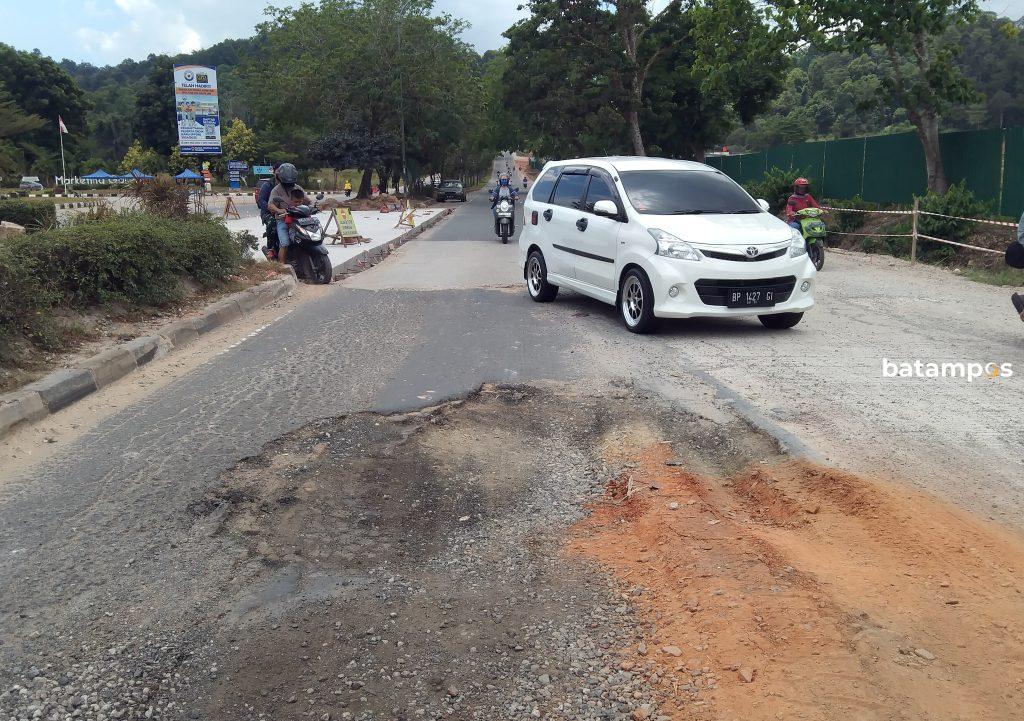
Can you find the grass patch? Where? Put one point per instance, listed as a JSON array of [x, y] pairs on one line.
[[1005, 276]]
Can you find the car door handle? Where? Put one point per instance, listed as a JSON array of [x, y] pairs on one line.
[[581, 224], [547, 214]]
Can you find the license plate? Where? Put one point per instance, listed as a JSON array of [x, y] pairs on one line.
[[750, 298]]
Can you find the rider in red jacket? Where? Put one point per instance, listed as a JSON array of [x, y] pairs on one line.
[[800, 199]]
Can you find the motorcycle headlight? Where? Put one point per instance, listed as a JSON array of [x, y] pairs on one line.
[[503, 206], [672, 247], [797, 245]]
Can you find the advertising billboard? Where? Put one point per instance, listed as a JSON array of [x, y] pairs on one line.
[[195, 99]]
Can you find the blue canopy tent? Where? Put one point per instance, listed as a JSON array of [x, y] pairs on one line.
[[100, 174], [137, 174], [188, 175]]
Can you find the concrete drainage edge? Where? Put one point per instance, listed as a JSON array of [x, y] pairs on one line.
[[371, 257], [62, 388]]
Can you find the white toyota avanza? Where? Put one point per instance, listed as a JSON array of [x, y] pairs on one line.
[[662, 239]]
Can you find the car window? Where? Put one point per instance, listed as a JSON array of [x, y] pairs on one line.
[[685, 192], [542, 188], [569, 191], [598, 190]]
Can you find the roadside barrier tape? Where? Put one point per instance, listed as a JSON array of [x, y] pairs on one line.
[[962, 245], [880, 212], [1002, 223], [875, 235]]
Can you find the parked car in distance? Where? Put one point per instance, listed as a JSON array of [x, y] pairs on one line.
[[27, 184], [662, 239], [450, 190]]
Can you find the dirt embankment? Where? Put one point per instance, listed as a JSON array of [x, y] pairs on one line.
[[795, 591]]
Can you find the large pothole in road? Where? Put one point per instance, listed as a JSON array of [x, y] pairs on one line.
[[413, 566], [567, 553]]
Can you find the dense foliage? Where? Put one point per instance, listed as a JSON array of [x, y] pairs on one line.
[[842, 94], [598, 77], [30, 214]]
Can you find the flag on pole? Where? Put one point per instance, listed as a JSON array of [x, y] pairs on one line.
[[63, 127]]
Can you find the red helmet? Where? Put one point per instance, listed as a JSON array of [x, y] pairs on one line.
[[801, 181]]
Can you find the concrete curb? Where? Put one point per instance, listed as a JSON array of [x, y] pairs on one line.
[[371, 257], [62, 388]]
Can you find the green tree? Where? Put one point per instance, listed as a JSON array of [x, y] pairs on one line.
[[240, 142], [145, 159], [698, 69], [39, 87], [156, 121], [921, 72]]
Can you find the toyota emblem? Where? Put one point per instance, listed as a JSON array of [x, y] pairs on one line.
[[753, 252]]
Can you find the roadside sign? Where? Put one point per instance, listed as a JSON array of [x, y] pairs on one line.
[[198, 110], [346, 223], [262, 170], [238, 165]]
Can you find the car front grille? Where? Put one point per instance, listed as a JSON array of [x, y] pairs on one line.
[[715, 291], [742, 258]]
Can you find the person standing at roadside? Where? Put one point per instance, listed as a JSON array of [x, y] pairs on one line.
[[1015, 259], [348, 188]]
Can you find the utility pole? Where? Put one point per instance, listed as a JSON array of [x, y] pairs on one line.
[[401, 92]]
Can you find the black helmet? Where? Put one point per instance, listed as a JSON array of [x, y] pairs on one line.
[[287, 174]]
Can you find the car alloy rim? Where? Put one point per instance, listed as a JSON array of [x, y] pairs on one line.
[[633, 300], [535, 279]]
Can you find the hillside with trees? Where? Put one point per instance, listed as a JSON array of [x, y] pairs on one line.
[[830, 95]]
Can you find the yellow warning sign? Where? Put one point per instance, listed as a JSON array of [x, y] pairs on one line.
[[346, 223]]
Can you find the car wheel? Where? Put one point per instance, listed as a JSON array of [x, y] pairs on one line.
[[780, 321], [537, 279], [636, 302]]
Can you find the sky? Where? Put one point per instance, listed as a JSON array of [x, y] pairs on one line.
[[105, 32]]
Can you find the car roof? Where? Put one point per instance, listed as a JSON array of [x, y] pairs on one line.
[[624, 163]]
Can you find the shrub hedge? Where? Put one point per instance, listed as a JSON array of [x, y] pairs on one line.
[[31, 214], [132, 258]]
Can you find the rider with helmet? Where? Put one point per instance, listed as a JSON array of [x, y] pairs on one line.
[[505, 190], [799, 200], [281, 199]]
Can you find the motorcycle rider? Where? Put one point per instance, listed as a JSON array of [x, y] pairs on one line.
[[281, 199], [799, 200], [262, 194], [505, 190], [1015, 259]]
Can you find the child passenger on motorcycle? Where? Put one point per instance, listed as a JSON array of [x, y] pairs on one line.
[[799, 200]]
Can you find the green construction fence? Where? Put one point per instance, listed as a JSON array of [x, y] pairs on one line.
[[891, 168]]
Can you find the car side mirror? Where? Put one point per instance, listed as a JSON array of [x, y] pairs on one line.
[[606, 208], [763, 204]]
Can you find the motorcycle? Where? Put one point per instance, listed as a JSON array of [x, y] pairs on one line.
[[504, 219], [812, 227], [306, 251]]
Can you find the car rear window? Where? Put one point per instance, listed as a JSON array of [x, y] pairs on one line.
[[569, 191], [685, 192], [542, 188]]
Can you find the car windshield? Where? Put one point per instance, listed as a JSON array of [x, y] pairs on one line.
[[451, 184], [685, 192]]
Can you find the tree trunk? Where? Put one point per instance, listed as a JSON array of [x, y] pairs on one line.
[[927, 125], [633, 118], [366, 184]]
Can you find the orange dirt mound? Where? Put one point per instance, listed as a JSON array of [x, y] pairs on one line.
[[796, 591]]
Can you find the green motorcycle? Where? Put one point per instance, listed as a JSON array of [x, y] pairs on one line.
[[812, 227]]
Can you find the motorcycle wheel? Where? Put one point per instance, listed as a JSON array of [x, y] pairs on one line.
[[323, 271], [817, 253]]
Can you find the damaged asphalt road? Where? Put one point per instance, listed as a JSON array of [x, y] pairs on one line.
[[418, 498]]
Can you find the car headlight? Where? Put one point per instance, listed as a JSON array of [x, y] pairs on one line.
[[672, 247], [797, 245]]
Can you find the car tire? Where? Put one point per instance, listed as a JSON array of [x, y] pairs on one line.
[[780, 321], [636, 302], [537, 279]]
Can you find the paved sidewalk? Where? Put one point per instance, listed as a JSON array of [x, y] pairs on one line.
[[378, 227]]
